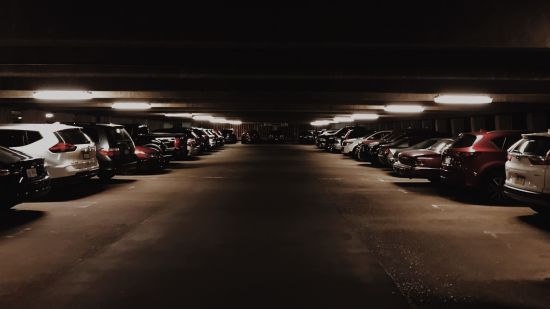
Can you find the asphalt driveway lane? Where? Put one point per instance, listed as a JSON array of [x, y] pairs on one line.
[[249, 226]]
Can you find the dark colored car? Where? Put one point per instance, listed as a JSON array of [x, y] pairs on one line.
[[276, 137], [477, 159], [369, 152], [366, 140], [177, 141], [306, 137], [422, 163], [21, 177], [115, 148], [387, 153], [229, 136], [321, 141], [250, 137], [334, 141], [150, 159], [143, 137]]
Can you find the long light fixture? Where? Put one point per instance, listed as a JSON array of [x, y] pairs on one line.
[[131, 106], [202, 117], [463, 99], [218, 120], [235, 122], [365, 116], [63, 95], [320, 123], [49, 115], [398, 108], [340, 119], [179, 115]]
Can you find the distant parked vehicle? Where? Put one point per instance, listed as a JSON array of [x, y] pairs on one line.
[[387, 154], [422, 162], [477, 159], [276, 137], [115, 148], [180, 142], [322, 138], [149, 159], [351, 137], [68, 153], [229, 135], [351, 147], [306, 137], [250, 137], [528, 172], [333, 142], [21, 177], [143, 137]]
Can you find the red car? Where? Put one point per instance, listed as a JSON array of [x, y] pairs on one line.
[[476, 160], [150, 159], [422, 163]]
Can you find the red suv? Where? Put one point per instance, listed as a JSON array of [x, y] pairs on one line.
[[476, 160]]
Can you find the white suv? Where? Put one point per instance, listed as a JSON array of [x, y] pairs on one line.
[[528, 172], [67, 151]]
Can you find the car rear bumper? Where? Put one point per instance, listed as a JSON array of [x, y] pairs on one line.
[[76, 177], [528, 197], [458, 177], [415, 171]]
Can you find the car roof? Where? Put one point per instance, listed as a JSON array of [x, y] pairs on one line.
[[110, 125], [543, 134], [50, 127], [495, 132]]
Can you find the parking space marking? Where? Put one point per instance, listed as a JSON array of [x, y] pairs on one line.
[[213, 177], [492, 234], [403, 191], [333, 179], [438, 207]]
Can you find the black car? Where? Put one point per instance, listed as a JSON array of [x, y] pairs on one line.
[[178, 141], [229, 136], [143, 137], [250, 137], [306, 137], [115, 148], [21, 177], [276, 137]]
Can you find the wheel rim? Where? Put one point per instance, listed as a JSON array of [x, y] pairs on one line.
[[496, 188]]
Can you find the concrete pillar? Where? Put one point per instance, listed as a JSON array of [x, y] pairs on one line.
[[443, 125], [503, 122], [537, 122], [457, 126], [477, 123]]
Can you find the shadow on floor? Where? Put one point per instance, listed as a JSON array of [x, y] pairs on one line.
[[537, 220], [14, 218], [68, 192], [150, 172]]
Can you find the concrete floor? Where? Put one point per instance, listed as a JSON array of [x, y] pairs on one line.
[[263, 226]]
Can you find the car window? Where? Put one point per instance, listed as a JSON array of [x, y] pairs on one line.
[[440, 146], [18, 138], [73, 136], [533, 145], [92, 134], [118, 134], [466, 140], [505, 142]]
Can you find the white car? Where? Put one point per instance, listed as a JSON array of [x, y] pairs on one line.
[[350, 145], [66, 150], [528, 171]]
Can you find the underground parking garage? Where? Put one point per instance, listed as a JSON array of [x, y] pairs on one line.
[[263, 156]]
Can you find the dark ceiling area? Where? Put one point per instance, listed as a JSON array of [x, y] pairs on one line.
[[274, 62]]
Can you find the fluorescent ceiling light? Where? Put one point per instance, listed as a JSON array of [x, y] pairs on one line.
[[48, 115], [320, 123], [131, 105], [63, 95], [343, 119], [365, 116], [179, 115], [396, 108], [218, 120], [202, 117], [463, 99], [235, 122]]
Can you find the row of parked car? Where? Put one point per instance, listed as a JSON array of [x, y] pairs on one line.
[[35, 157], [501, 165]]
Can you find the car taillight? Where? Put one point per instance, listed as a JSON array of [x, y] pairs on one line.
[[111, 152], [177, 143], [62, 147]]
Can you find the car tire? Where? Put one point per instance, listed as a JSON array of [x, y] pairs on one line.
[[494, 186], [106, 176]]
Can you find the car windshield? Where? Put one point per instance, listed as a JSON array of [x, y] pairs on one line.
[[73, 136], [440, 146], [465, 140], [425, 144], [118, 134], [534, 145]]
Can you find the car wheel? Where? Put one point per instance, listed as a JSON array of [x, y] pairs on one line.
[[106, 176], [494, 187], [435, 180]]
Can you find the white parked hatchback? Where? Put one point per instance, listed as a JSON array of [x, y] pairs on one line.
[[528, 171], [67, 151]]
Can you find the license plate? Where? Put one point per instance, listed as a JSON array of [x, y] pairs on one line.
[[447, 160], [31, 173], [86, 156], [520, 180]]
